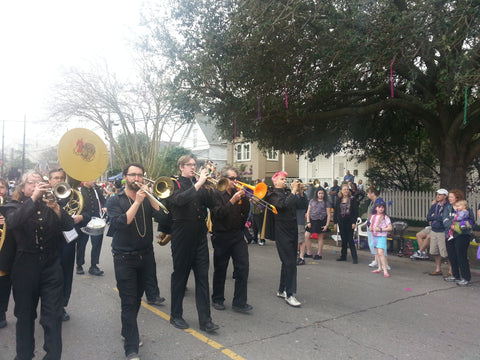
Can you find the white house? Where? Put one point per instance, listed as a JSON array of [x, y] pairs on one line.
[[327, 169], [203, 140]]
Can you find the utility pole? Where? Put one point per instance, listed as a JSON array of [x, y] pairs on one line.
[[24, 135]]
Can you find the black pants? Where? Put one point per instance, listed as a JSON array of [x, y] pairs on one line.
[[346, 233], [286, 238], [96, 248], [5, 288], [457, 250], [190, 252], [67, 259], [230, 245], [151, 283], [257, 223], [131, 272], [38, 276]]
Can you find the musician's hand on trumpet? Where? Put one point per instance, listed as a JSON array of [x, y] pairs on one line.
[[203, 175], [295, 186]]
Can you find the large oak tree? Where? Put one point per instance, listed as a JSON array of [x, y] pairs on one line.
[[334, 62]]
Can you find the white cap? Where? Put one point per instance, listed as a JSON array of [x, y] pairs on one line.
[[442, 192]]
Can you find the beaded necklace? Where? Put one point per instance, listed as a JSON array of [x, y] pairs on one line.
[[135, 218]]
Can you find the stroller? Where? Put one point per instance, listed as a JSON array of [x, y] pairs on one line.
[[403, 249]]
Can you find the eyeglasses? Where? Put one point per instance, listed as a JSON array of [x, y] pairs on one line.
[[58, 178], [232, 178], [32, 182], [135, 175], [190, 164]]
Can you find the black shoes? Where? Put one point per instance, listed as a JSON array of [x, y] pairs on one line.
[[65, 316], [80, 270], [355, 261], [179, 323], [309, 255], [209, 327], [317, 257], [341, 259], [218, 306], [3, 320], [242, 309], [94, 270], [300, 261], [157, 301]]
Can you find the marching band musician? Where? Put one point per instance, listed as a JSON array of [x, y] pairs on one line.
[[7, 253], [229, 215], [130, 216], [67, 249], [35, 224], [286, 234], [189, 243]]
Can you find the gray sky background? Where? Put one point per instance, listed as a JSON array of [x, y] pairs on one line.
[[39, 39]]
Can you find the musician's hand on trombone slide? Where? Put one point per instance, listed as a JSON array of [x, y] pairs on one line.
[[237, 196]]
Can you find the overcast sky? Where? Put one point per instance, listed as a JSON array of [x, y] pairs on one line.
[[38, 39]]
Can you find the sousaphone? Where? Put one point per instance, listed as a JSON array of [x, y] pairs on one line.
[[84, 157]]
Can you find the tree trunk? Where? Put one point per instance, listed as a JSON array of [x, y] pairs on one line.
[[453, 166]]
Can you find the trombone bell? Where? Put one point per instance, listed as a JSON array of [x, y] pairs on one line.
[[163, 187]]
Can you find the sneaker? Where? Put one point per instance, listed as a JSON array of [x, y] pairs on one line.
[[261, 242], [80, 270], [300, 261], [292, 301], [94, 270], [388, 267], [218, 305], [424, 256], [317, 257], [133, 356], [374, 264], [463, 282], [282, 294], [308, 255], [416, 255], [451, 279], [157, 301], [242, 309]]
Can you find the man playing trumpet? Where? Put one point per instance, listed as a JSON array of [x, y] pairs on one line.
[[229, 215]]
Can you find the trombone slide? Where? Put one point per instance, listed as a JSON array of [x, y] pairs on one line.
[[153, 197]]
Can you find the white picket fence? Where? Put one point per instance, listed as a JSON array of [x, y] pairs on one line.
[[414, 205]]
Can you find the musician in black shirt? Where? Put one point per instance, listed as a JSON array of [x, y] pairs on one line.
[[130, 214], [229, 215], [188, 207], [35, 224]]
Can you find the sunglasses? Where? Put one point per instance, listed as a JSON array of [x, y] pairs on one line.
[[233, 178]]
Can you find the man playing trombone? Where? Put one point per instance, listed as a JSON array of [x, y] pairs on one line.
[[229, 215], [188, 207], [131, 215]]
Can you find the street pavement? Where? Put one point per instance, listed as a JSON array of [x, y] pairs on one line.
[[347, 313]]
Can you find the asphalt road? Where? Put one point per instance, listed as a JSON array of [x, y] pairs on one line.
[[346, 313]]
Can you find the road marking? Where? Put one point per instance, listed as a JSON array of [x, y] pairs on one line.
[[232, 355]]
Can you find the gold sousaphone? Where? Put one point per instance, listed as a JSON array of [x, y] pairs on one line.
[[84, 157]]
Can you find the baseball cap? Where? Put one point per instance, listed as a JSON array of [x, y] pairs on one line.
[[442, 192]]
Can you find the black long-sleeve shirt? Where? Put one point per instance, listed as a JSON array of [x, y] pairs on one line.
[[136, 236], [35, 227], [228, 217]]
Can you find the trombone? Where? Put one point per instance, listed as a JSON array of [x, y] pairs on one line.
[[151, 195], [257, 194], [161, 187]]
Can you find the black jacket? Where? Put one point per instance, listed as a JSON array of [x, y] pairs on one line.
[[228, 217], [349, 218]]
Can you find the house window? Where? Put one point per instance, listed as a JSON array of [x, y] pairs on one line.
[[242, 152], [272, 155]]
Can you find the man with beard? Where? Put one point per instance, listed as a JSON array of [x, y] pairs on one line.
[[131, 215]]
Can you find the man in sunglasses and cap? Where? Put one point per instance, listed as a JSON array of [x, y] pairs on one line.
[[438, 247]]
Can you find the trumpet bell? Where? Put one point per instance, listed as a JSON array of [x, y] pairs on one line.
[[62, 190], [222, 184]]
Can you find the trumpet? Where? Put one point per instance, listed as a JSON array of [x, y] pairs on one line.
[[60, 191], [315, 183], [257, 194], [221, 184], [154, 198]]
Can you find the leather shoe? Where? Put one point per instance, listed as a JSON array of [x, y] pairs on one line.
[[179, 323], [209, 327], [341, 259], [95, 271], [65, 316], [242, 309], [80, 270], [218, 306], [157, 301], [355, 261]]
